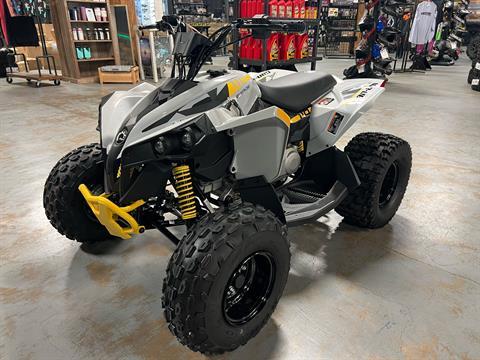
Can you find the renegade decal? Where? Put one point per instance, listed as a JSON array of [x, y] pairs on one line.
[[263, 74]]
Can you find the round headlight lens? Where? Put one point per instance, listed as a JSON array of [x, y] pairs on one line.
[[187, 140], [160, 146]]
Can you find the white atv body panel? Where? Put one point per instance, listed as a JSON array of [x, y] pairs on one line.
[[260, 138]]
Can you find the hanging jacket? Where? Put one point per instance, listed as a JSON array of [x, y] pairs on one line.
[[17, 30], [424, 23]]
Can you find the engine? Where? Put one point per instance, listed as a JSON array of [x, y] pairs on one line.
[[291, 161]]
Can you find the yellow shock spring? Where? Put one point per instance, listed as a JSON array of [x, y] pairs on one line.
[[300, 147], [184, 188]]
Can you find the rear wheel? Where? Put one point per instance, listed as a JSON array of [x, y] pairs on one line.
[[473, 47], [383, 164], [225, 278], [64, 205]]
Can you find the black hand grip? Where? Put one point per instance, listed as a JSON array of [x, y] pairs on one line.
[[147, 27], [295, 26]]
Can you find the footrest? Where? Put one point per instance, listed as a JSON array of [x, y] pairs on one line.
[[302, 192]]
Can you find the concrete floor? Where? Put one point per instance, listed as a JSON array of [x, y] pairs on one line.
[[408, 291]]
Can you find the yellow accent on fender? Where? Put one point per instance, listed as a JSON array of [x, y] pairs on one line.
[[282, 115], [301, 115], [108, 213], [236, 84]]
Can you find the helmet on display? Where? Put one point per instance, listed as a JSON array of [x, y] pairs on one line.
[[376, 51], [380, 26], [366, 23]]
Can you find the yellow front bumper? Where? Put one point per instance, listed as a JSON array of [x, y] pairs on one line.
[[109, 214]]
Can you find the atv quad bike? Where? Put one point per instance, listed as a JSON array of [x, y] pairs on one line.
[[236, 158]]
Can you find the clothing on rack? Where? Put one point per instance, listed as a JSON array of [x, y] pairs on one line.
[[17, 30], [27, 7], [424, 23]]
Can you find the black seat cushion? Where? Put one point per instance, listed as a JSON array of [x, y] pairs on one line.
[[297, 91]]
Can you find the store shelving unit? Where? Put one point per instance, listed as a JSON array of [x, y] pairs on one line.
[[313, 28], [104, 51], [341, 25]]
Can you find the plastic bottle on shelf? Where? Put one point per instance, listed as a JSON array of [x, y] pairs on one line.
[[259, 7], [301, 45], [258, 50], [296, 9], [75, 33], [281, 9], [103, 12], [302, 8], [272, 47], [253, 48], [107, 33], [101, 34], [243, 8], [251, 8], [80, 34], [289, 9], [273, 8], [287, 47]]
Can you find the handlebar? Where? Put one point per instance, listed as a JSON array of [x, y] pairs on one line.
[[148, 27], [263, 22], [258, 22]]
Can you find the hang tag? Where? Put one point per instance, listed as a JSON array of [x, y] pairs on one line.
[[384, 53], [477, 66], [454, 44], [475, 82], [361, 69]]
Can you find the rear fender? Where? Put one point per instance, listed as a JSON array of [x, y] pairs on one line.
[[336, 112]]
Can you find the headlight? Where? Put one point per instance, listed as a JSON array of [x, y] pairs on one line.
[[187, 140], [160, 146]]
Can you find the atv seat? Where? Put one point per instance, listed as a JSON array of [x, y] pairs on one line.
[[297, 91]]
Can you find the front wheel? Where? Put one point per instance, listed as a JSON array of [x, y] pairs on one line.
[[383, 164], [64, 205], [225, 278]]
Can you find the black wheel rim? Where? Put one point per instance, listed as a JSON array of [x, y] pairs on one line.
[[389, 184], [249, 288]]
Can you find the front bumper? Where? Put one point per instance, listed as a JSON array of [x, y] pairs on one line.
[[109, 214]]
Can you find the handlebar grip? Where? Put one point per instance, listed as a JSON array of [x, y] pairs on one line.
[[147, 27], [295, 27]]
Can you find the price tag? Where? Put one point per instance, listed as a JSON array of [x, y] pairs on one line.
[[384, 53], [477, 66], [361, 69], [475, 82]]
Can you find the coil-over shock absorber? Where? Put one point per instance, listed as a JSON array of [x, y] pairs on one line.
[[300, 147], [184, 188]]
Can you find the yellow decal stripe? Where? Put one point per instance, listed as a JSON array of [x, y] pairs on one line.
[[236, 84], [282, 115], [301, 115]]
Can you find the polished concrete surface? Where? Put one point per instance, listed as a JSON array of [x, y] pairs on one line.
[[408, 291]]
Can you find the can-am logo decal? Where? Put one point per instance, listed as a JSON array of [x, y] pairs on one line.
[[325, 101]]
